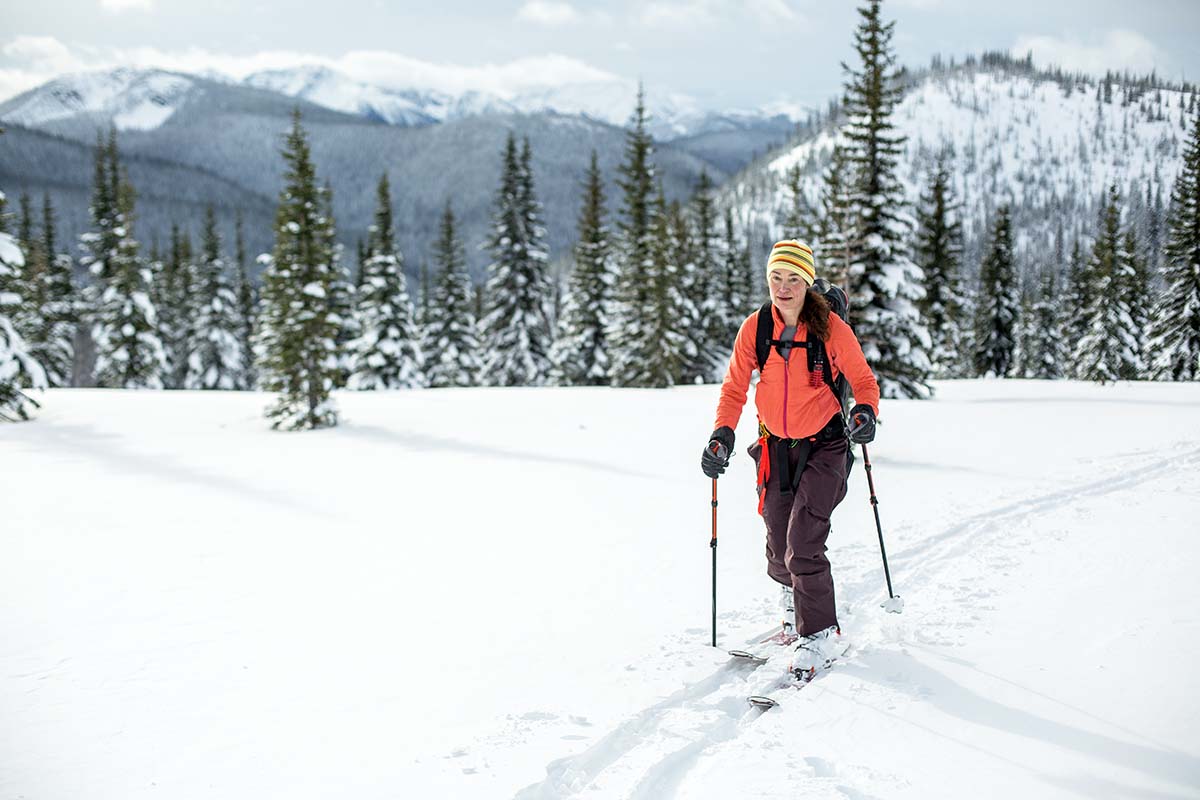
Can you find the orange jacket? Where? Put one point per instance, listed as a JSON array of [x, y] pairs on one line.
[[787, 403]]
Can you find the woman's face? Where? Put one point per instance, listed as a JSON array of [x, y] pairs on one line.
[[787, 290]]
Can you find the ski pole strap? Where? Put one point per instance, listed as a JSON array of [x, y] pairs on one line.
[[764, 464]]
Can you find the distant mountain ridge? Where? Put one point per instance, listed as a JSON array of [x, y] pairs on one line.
[[143, 98]]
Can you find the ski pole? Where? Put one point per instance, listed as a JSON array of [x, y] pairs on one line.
[[713, 545], [720, 451], [894, 603]]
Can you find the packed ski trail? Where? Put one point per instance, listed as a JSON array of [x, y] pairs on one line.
[[422, 602], [714, 709]]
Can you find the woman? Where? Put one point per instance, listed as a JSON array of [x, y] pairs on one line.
[[802, 453]]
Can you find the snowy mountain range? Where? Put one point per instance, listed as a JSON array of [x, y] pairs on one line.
[[1047, 145], [142, 99]]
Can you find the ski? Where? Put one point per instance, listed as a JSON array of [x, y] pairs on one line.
[[777, 636], [794, 680]]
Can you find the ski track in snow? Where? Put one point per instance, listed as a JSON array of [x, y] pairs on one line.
[[649, 755]]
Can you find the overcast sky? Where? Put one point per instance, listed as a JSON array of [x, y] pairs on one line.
[[724, 53]]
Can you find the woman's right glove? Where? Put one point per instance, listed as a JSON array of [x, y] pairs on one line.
[[716, 453]]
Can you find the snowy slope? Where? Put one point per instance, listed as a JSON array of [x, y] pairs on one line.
[[505, 593], [1014, 138]]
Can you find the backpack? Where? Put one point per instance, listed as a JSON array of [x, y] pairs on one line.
[[817, 360]]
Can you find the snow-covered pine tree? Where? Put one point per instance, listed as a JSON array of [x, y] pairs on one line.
[[799, 220], [717, 315], [341, 296], [387, 352], [451, 348], [580, 352], [691, 286], [996, 313], [1176, 325], [1108, 348], [838, 223], [1046, 343], [129, 353], [1024, 329], [885, 284], [49, 290], [515, 327], [247, 296], [939, 254], [1138, 293], [667, 311], [629, 336], [174, 297], [297, 337], [1076, 299], [215, 357], [19, 370], [733, 289]]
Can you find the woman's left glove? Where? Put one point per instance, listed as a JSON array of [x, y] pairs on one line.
[[716, 453], [862, 424]]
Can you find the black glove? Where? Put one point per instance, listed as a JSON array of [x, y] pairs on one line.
[[862, 424], [716, 452]]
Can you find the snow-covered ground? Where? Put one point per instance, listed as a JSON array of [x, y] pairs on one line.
[[492, 593]]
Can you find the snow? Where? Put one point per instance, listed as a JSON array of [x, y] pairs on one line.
[[487, 593]]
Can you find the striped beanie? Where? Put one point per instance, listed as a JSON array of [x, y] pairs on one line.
[[793, 255]]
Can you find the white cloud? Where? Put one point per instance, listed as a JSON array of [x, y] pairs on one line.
[[117, 6], [773, 11], [1119, 49], [548, 12], [35, 60], [678, 14]]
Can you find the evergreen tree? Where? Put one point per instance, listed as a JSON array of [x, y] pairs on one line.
[[19, 370], [215, 357], [838, 223], [1075, 299], [580, 352], [247, 297], [996, 318], [1046, 346], [735, 295], [939, 253], [668, 316], [298, 331], [885, 283], [799, 221], [1176, 326], [175, 297], [1108, 348], [51, 335], [451, 334], [631, 343], [690, 287], [387, 352], [516, 324], [1138, 291], [342, 298], [1025, 331], [129, 353], [717, 313]]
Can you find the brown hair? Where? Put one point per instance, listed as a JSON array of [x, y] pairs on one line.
[[815, 314]]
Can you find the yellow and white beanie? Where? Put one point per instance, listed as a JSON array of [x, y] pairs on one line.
[[795, 256]]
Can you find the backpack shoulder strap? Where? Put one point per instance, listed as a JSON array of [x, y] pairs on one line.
[[762, 337]]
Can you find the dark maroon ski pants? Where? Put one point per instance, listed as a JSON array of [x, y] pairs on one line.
[[798, 527]]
